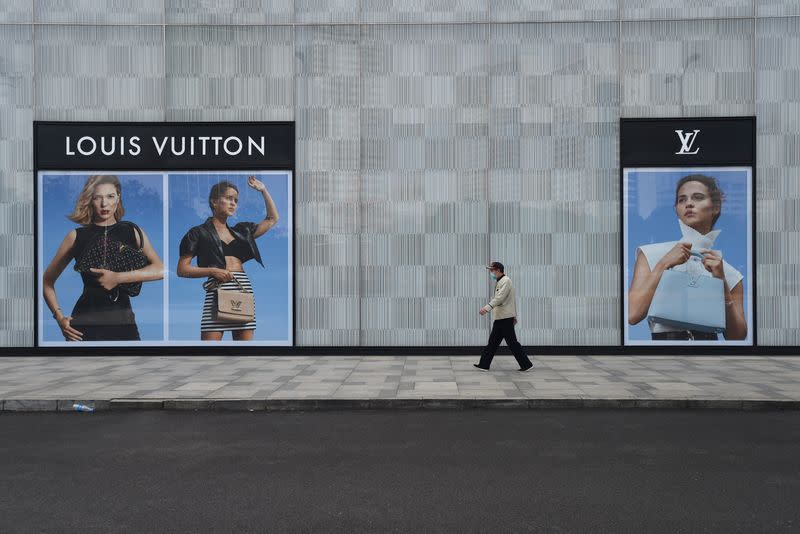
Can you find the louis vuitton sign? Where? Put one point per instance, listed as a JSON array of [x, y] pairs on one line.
[[150, 146], [689, 141]]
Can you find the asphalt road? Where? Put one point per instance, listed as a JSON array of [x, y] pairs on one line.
[[468, 471]]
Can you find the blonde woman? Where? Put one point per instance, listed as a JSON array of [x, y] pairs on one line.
[[102, 312]]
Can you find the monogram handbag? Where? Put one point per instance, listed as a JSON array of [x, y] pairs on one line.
[[107, 252], [689, 300], [232, 306]]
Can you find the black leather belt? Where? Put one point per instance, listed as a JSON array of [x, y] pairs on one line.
[[685, 335]]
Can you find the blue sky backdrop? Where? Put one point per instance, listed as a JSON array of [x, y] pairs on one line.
[[652, 219], [142, 197], [188, 207]]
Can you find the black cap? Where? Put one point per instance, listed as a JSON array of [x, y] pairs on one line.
[[496, 265]]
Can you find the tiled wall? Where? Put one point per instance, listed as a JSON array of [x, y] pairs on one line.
[[432, 135]]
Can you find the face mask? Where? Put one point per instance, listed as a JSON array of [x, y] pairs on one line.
[[493, 276]]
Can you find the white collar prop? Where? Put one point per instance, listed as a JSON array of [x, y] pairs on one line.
[[698, 240]]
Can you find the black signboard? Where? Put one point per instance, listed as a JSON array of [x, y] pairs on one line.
[[690, 141], [163, 145]]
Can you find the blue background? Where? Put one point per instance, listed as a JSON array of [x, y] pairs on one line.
[[142, 198], [652, 219], [188, 207]]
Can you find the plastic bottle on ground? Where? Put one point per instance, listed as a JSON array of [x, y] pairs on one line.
[[82, 408]]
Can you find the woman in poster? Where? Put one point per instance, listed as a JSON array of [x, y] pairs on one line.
[[221, 252], [103, 311], [698, 205]]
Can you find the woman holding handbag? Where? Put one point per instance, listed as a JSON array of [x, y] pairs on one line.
[[221, 253], [113, 257], [698, 205]]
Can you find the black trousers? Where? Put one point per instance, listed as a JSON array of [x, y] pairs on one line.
[[504, 329]]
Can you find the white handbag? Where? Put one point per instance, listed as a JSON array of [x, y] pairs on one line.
[[689, 300]]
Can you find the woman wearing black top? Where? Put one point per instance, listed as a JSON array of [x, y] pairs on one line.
[[221, 253], [100, 314]]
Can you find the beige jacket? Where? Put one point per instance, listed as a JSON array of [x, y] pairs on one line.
[[503, 305]]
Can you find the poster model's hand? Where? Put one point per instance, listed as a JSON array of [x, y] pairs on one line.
[[712, 261], [108, 280], [69, 333], [222, 275], [677, 255], [256, 184]]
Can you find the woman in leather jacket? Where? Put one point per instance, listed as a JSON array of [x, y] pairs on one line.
[[221, 253]]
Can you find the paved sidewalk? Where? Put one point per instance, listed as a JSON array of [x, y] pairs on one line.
[[308, 382]]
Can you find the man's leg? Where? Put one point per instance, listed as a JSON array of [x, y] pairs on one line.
[[511, 340], [491, 347]]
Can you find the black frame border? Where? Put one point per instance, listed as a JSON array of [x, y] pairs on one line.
[[685, 350], [166, 349]]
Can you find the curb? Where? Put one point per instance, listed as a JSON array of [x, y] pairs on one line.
[[310, 405]]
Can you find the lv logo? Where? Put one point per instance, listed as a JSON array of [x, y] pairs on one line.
[[687, 140], [236, 304]]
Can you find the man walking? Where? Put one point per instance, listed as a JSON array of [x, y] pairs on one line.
[[504, 312]]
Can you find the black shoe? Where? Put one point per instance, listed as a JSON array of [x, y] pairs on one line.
[[479, 367], [525, 369]]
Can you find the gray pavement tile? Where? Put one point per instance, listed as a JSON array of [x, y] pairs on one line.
[[264, 392], [449, 388], [639, 393], [354, 394], [138, 393], [282, 378], [233, 392]]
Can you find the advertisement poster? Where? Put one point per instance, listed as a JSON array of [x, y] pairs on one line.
[[164, 257], [695, 223], [267, 277], [687, 250]]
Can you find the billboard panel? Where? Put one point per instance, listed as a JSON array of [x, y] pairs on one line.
[[189, 254], [687, 231]]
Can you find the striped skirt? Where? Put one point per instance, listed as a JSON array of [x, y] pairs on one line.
[[208, 324]]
